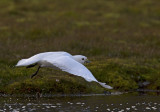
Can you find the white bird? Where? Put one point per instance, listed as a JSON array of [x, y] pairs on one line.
[[63, 61]]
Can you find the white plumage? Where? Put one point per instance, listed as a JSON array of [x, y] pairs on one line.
[[64, 61]]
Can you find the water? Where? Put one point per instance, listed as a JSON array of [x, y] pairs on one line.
[[109, 103]]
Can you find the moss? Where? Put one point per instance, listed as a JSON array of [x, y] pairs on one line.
[[127, 34], [124, 76], [50, 84]]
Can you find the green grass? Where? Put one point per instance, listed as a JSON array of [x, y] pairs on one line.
[[121, 38]]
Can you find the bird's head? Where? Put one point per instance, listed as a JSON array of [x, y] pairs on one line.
[[81, 59]]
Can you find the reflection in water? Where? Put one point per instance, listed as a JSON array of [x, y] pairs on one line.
[[112, 103]]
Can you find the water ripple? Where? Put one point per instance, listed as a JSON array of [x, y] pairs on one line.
[[81, 104]]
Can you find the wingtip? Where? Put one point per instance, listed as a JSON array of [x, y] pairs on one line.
[[105, 86], [109, 87]]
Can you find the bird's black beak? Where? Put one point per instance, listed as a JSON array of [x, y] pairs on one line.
[[87, 61]]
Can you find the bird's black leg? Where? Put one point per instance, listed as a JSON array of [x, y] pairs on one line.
[[35, 72], [31, 65]]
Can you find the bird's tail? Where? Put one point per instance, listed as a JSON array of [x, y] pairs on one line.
[[105, 86], [22, 62]]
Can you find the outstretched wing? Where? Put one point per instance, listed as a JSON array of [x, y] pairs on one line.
[[67, 64], [38, 57]]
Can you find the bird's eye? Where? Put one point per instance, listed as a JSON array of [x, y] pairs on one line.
[[82, 58]]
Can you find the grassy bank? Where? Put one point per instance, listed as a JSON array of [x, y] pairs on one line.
[[121, 38], [122, 74]]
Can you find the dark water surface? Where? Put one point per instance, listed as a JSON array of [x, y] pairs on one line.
[[109, 103]]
